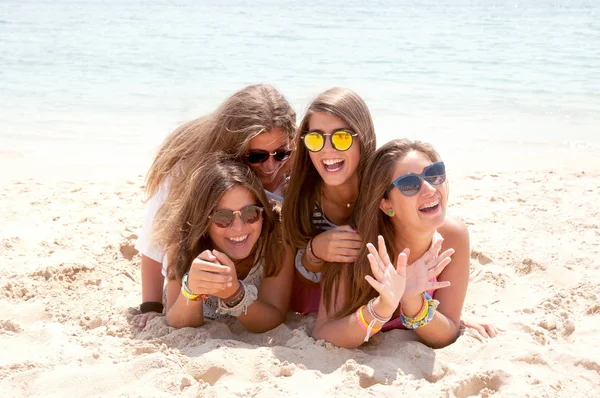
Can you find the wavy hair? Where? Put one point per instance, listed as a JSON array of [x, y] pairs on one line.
[[183, 222], [370, 222], [244, 115]]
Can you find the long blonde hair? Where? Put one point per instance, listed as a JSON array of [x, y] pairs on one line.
[[303, 186], [183, 222], [230, 128], [370, 222]]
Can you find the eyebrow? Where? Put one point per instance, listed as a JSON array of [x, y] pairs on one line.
[[280, 149], [332, 131]]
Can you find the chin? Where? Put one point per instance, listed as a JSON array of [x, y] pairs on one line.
[[237, 253], [237, 256], [267, 179], [334, 181]]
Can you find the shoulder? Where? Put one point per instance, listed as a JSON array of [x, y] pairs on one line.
[[455, 232]]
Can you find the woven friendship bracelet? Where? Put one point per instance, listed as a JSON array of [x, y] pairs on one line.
[[236, 297], [374, 314], [185, 290], [248, 298]]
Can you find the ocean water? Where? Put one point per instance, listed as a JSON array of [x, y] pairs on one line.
[[83, 77]]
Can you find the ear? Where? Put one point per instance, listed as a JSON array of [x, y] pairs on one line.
[[386, 207]]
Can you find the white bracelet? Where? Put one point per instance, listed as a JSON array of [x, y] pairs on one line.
[[311, 276], [250, 296]]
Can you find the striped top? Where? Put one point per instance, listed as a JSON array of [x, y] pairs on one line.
[[319, 220]]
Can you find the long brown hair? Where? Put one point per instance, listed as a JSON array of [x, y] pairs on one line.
[[183, 222], [302, 188], [247, 113], [370, 222]]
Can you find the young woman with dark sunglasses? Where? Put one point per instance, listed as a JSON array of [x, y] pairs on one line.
[[225, 253], [256, 125], [334, 139], [402, 210]]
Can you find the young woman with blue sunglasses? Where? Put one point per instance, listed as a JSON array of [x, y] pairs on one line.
[[402, 209]]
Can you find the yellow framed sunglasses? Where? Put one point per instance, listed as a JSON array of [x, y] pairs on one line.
[[341, 140]]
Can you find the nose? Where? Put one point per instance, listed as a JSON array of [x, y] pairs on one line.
[[238, 224], [328, 146], [427, 188], [269, 164]]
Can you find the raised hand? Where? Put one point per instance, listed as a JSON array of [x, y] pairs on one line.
[[389, 281], [212, 273], [420, 273], [338, 245]]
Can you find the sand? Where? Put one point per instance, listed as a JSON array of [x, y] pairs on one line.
[[70, 282]]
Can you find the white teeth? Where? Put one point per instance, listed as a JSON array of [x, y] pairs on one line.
[[330, 162], [268, 173], [430, 204], [238, 238]]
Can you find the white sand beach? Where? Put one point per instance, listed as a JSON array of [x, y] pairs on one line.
[[70, 283]]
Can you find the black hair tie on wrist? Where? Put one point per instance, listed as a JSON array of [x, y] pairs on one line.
[[151, 306]]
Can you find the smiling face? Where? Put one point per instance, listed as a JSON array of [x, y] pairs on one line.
[[238, 240], [270, 172], [424, 211], [335, 167]]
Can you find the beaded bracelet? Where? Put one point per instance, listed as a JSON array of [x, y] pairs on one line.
[[425, 315]]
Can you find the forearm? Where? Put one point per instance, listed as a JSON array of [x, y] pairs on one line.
[[152, 280], [261, 317], [185, 313], [349, 332], [440, 332]]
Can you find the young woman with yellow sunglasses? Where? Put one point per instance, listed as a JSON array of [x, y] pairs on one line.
[[334, 139]]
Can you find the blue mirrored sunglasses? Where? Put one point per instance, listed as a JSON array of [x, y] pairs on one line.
[[410, 184]]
